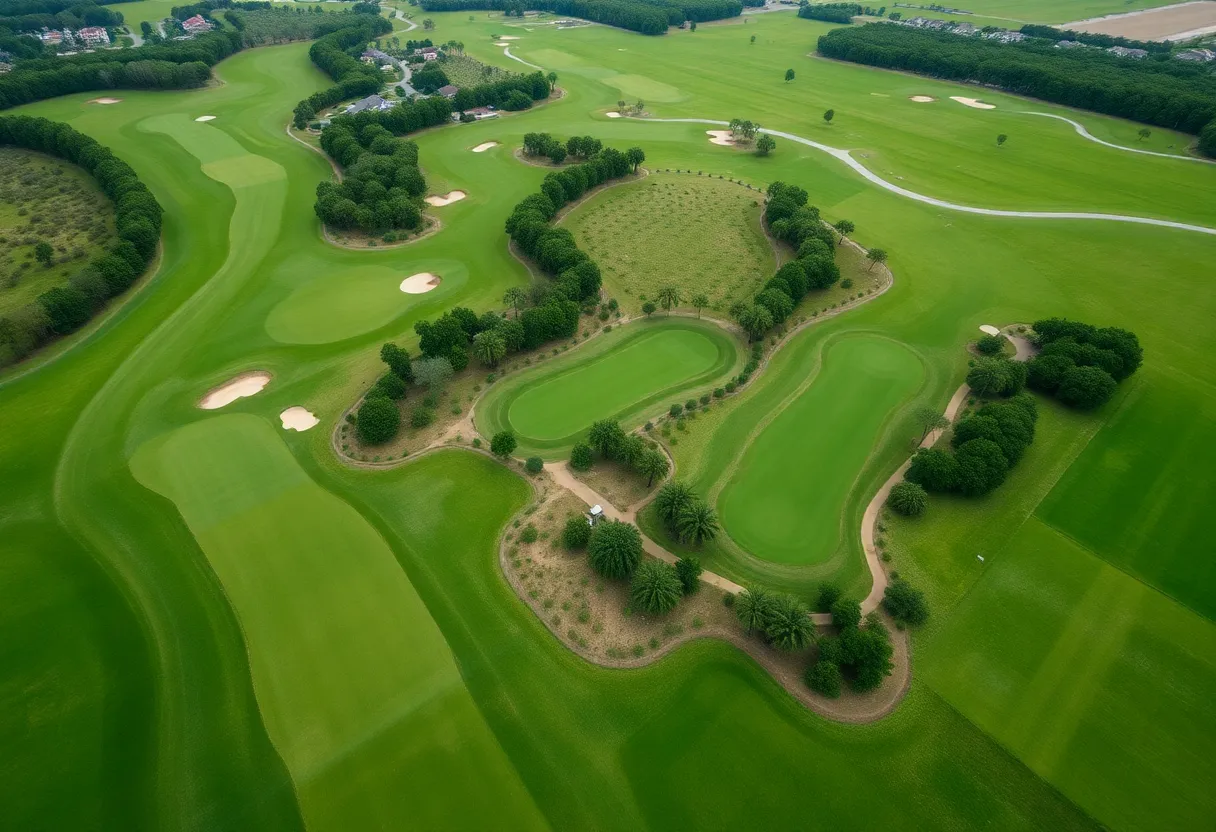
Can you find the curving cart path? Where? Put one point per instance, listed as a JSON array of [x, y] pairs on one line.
[[1085, 134]]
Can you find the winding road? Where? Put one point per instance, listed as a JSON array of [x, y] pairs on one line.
[[1085, 134]]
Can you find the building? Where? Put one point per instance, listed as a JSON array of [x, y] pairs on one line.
[[372, 102], [51, 38], [1005, 36], [94, 36], [1124, 52], [1069, 44], [428, 53], [448, 90], [595, 515], [476, 114], [967, 29], [196, 24], [1198, 55]]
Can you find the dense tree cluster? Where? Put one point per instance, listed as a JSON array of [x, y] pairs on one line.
[[831, 12], [1050, 33], [379, 418], [577, 147], [32, 15], [114, 268], [986, 445], [860, 656], [649, 17], [1081, 364], [176, 65], [781, 620], [685, 514], [334, 55], [905, 603], [382, 188], [609, 440], [1175, 94], [997, 376]]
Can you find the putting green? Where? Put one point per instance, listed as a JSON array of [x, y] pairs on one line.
[[785, 500], [619, 375]]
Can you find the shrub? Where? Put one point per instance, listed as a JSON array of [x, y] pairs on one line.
[[908, 499], [846, 614], [730, 387], [905, 603], [719, 392], [828, 595], [689, 572], [581, 456], [1086, 388], [691, 404], [378, 420], [823, 677], [990, 344], [675, 410], [615, 549], [705, 399], [576, 533], [392, 385], [529, 534], [788, 624], [421, 416], [655, 588], [934, 469], [503, 444], [534, 465]]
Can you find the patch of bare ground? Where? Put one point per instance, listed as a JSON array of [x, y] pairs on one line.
[[619, 483], [394, 239], [591, 616]]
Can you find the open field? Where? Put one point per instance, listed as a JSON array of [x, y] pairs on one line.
[[1177, 22], [629, 374], [215, 623], [698, 234]]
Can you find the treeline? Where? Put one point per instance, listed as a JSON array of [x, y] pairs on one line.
[[353, 78], [1035, 30], [281, 24], [1081, 364], [699, 10], [382, 188], [1171, 94], [649, 17], [791, 220], [66, 308], [578, 147], [176, 65], [31, 15], [831, 12]]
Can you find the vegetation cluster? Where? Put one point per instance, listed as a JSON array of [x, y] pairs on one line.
[[32, 15], [333, 54], [608, 439], [649, 17], [1081, 364], [831, 12], [557, 151], [382, 188]]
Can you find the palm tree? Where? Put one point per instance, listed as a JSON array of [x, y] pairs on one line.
[[655, 588], [844, 228], [652, 464], [875, 255], [789, 625], [753, 607], [489, 347], [697, 523], [671, 500], [700, 300], [669, 296], [513, 297]]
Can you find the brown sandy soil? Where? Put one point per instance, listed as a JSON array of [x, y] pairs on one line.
[[246, 384], [622, 485], [359, 240], [1164, 23]]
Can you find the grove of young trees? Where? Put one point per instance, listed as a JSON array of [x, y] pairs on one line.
[[1081, 364], [1179, 95], [114, 267]]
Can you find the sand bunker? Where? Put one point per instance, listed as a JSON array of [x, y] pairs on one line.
[[297, 418], [922, 99], [205, 118], [508, 37], [420, 284], [105, 100], [446, 199], [484, 146], [248, 384], [989, 329], [721, 137], [972, 102], [613, 115]]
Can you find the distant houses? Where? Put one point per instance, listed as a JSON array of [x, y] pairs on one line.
[[372, 102], [94, 36], [1124, 52], [1197, 55], [448, 91], [196, 25]]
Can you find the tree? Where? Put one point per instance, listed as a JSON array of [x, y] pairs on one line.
[[428, 24], [765, 145], [503, 444], [990, 344], [607, 437], [672, 499], [615, 549], [636, 156], [828, 116], [699, 300], [905, 603], [398, 361], [1144, 133], [753, 38], [696, 523], [648, 308], [1001, 139], [828, 595], [652, 464], [693, 26], [576, 533], [755, 320], [513, 297], [823, 677], [1086, 388], [929, 420], [581, 458], [908, 499], [392, 385], [43, 253], [846, 614], [489, 347], [789, 75], [844, 228], [868, 653], [378, 420], [534, 465], [988, 376], [688, 570], [876, 256], [655, 588], [788, 624], [752, 608], [982, 466], [669, 296], [934, 469], [433, 373]]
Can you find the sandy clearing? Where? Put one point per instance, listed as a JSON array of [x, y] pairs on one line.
[[921, 99], [1180, 21], [508, 37], [246, 384], [446, 199], [298, 419], [972, 102], [421, 283], [105, 100], [205, 118], [721, 137], [989, 329], [613, 114], [484, 146]]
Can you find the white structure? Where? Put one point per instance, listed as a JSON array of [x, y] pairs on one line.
[[1124, 52], [372, 102], [94, 36], [595, 515], [1198, 55]]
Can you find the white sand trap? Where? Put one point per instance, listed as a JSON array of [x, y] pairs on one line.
[[508, 37], [248, 384], [420, 284], [721, 137], [446, 199], [298, 418], [972, 102], [205, 118], [105, 100], [484, 146], [613, 114], [989, 329], [922, 99]]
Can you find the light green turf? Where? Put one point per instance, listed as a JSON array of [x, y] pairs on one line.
[[627, 374], [784, 500]]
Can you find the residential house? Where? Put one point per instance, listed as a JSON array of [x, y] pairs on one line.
[[1198, 55], [1070, 44], [428, 53], [477, 114], [372, 102], [1124, 52], [967, 29], [196, 24], [448, 90], [94, 36], [1006, 36]]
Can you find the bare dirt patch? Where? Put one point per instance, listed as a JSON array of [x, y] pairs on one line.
[[421, 283], [1177, 22], [619, 483], [446, 199], [246, 384]]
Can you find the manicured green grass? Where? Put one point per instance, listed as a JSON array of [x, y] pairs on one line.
[[698, 234], [784, 500], [628, 374]]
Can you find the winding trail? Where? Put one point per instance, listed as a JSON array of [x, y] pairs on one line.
[[1085, 134], [507, 51], [843, 156]]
